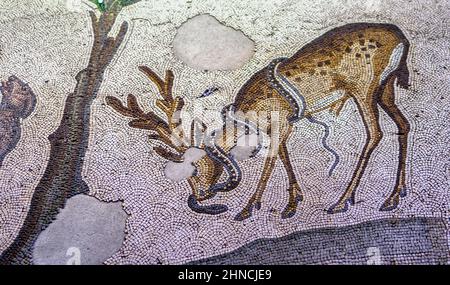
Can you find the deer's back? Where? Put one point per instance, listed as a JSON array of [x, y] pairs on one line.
[[345, 58]]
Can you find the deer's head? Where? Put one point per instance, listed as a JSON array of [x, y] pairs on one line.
[[195, 158]]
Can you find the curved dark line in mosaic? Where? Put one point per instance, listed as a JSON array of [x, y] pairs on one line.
[[232, 168], [325, 143], [217, 154], [301, 113], [214, 209], [230, 165]]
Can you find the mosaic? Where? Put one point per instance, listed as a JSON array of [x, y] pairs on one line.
[[224, 132]]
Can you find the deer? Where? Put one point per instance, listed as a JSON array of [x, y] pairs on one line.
[[362, 62]]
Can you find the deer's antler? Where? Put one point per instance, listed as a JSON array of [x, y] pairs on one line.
[[169, 132]]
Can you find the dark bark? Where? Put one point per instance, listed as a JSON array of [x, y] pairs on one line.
[[62, 178]]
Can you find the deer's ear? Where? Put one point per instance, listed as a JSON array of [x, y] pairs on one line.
[[169, 155]]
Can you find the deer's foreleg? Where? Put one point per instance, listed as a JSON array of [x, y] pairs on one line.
[[369, 113], [295, 193], [255, 200]]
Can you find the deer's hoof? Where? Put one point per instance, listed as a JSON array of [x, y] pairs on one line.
[[243, 215], [299, 198], [291, 207], [403, 192], [390, 204], [288, 212], [339, 207]]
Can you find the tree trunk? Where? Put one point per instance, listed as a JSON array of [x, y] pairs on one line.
[[62, 178]]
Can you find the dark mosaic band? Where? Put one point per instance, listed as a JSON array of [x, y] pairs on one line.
[[397, 241]]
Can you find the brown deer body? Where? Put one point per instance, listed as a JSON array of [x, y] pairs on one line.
[[356, 61]]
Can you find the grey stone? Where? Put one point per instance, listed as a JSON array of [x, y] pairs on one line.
[[203, 43], [245, 147], [177, 171], [86, 231]]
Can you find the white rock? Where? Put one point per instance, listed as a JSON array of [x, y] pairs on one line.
[[177, 171], [204, 43], [86, 231], [245, 147]]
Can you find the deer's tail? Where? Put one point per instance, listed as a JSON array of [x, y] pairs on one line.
[[402, 72]]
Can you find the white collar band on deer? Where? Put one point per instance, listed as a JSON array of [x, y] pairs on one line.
[[229, 114], [274, 83], [216, 153]]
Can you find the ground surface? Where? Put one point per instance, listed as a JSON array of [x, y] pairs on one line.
[[222, 44]]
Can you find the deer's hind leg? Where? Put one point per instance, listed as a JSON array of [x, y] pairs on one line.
[[369, 113], [387, 102]]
